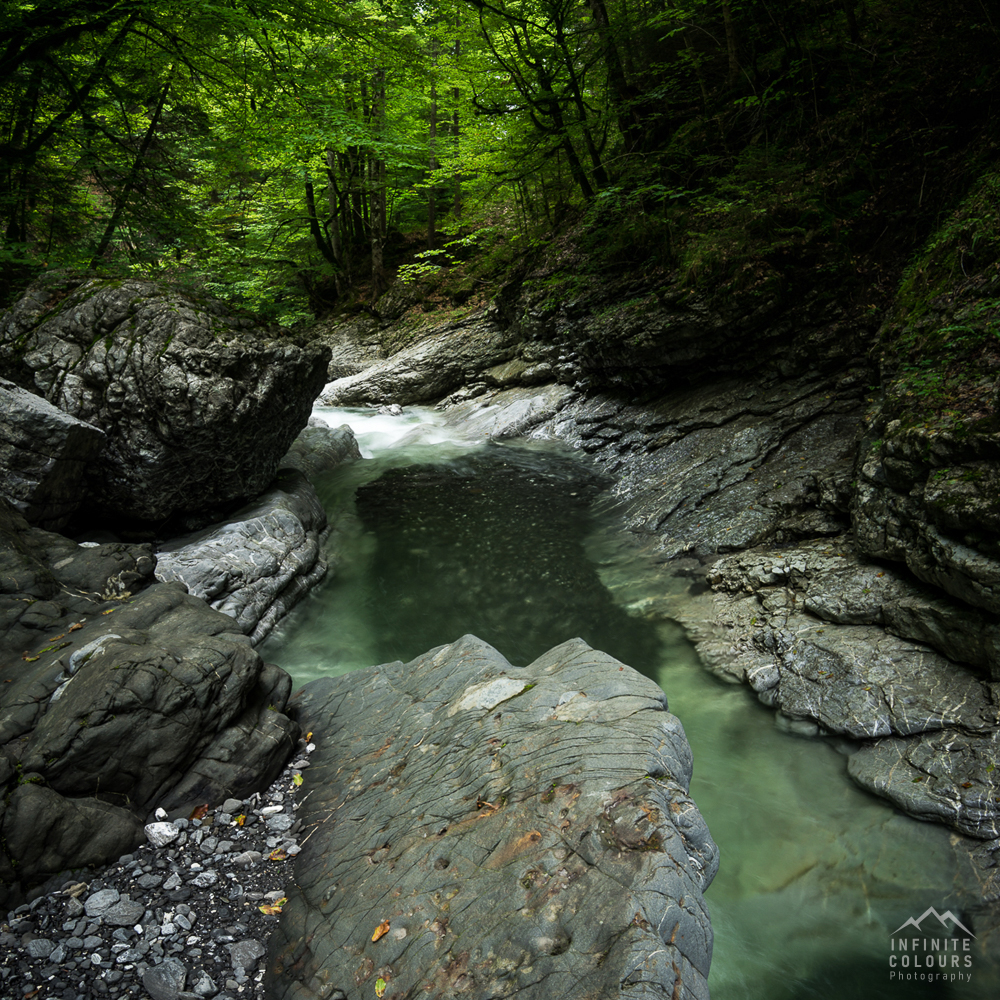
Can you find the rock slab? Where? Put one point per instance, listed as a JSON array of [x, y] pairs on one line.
[[479, 828]]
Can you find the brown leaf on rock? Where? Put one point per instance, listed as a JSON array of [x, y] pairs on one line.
[[381, 930]]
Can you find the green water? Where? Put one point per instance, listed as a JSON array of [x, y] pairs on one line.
[[441, 535]]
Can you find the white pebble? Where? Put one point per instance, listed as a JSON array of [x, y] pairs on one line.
[[161, 834]]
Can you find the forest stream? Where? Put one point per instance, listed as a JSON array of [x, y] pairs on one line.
[[440, 535]]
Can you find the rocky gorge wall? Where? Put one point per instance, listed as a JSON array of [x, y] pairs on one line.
[[842, 563]]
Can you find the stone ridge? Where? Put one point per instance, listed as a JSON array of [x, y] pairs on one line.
[[474, 827]]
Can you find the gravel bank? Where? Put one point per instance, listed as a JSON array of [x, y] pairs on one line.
[[184, 917]]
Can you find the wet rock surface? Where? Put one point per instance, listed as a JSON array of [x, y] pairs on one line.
[[822, 635], [497, 830], [259, 563], [44, 455], [197, 404], [430, 369], [115, 697], [184, 915], [320, 448]]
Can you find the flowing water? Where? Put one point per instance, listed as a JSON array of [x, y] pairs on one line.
[[441, 534]]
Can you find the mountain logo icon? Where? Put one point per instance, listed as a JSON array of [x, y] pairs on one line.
[[948, 919]]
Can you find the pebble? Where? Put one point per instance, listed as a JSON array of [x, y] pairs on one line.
[[177, 919]]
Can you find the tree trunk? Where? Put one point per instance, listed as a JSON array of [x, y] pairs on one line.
[[456, 140], [432, 129], [734, 62], [126, 191]]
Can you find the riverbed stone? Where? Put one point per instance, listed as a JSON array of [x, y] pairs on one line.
[[166, 980], [198, 403], [259, 563], [537, 839], [452, 356]]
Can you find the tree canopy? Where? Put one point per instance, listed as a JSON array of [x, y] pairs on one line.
[[282, 152]]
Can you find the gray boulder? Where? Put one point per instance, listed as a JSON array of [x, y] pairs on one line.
[[452, 357], [320, 448], [116, 697], [496, 830], [44, 456], [259, 563], [198, 406]]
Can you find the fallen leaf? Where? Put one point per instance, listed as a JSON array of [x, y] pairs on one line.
[[270, 909], [380, 985], [381, 930], [297, 780], [75, 626], [278, 854], [56, 638], [199, 812], [241, 819], [309, 736], [966, 784], [29, 659], [108, 612]]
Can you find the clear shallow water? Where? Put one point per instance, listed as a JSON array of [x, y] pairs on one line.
[[461, 536]]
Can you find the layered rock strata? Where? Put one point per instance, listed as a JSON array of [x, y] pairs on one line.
[[490, 830]]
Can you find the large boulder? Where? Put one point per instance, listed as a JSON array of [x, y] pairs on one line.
[[482, 829], [197, 404], [44, 456], [116, 697]]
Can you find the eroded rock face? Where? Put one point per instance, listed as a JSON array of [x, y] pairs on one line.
[[116, 697], [44, 457], [198, 411], [826, 637], [259, 563], [498, 830], [929, 499]]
